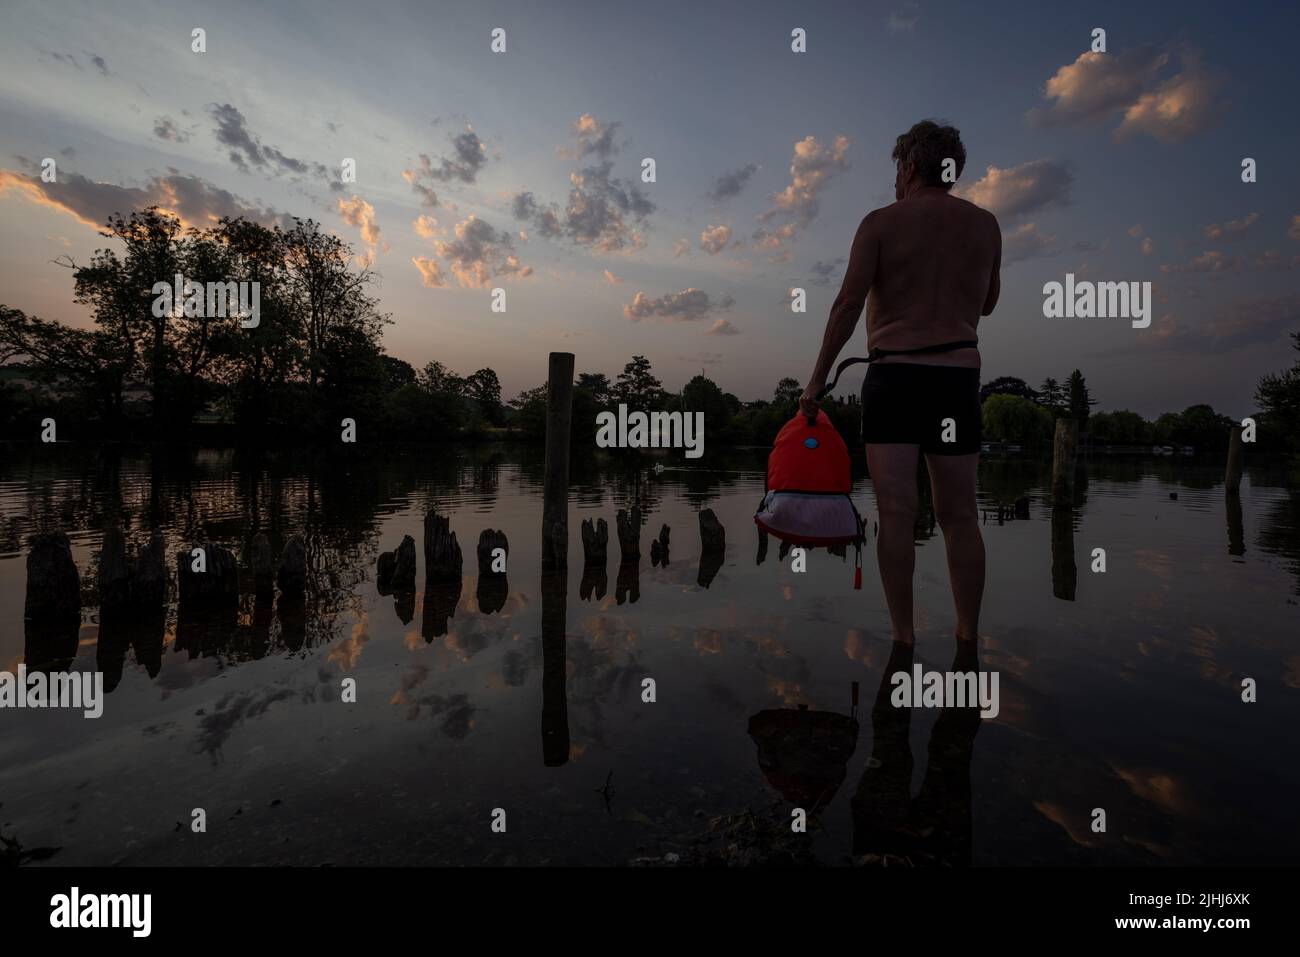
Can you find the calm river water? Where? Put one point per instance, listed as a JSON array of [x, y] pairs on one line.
[[1119, 691]]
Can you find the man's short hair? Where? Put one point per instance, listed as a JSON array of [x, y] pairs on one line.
[[927, 145]]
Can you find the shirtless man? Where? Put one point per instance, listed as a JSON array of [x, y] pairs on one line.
[[930, 262]]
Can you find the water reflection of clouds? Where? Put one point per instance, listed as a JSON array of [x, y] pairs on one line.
[[1158, 788], [347, 653], [232, 709]]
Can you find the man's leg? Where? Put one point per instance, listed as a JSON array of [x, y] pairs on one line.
[[893, 476], [952, 482]]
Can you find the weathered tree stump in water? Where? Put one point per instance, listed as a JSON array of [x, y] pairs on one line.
[[442, 557], [292, 574], [262, 561], [53, 585], [396, 569], [114, 572], [629, 533], [216, 586], [659, 548], [595, 541], [713, 537], [489, 540]]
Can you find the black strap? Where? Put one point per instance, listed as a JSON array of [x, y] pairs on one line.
[[875, 354]]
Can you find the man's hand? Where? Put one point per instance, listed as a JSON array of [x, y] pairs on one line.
[[808, 401]]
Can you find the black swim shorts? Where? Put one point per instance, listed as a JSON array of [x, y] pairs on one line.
[[935, 407]]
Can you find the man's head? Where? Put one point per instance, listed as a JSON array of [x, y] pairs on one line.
[[919, 154]]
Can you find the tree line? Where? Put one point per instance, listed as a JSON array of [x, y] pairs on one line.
[[316, 356]]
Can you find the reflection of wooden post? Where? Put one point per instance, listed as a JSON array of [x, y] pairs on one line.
[[1236, 528], [555, 698], [555, 486], [1065, 574], [1063, 443], [1232, 475]]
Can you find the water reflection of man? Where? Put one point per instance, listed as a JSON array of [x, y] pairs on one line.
[[935, 826]]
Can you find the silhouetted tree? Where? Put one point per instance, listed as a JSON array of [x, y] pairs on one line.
[[1008, 385], [1079, 402], [637, 387]]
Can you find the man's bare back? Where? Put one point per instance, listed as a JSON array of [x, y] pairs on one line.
[[931, 264]]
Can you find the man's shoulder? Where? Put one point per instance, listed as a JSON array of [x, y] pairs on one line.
[[974, 210], [876, 216]]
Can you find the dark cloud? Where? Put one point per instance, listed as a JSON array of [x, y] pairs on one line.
[[824, 272], [468, 157], [602, 211], [67, 58], [689, 305], [196, 201], [231, 710], [1210, 261], [165, 129], [904, 19], [730, 184], [595, 138], [1276, 259], [1232, 230], [479, 252], [100, 65], [1025, 241], [247, 150], [600, 214], [1253, 321]]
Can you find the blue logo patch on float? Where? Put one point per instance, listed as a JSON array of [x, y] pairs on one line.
[[810, 442]]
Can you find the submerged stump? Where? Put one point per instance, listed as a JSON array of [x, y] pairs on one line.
[[595, 541], [442, 557]]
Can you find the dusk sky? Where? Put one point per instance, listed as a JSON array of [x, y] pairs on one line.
[[523, 169]]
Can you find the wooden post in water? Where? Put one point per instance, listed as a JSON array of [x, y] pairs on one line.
[[1232, 475], [1063, 443], [555, 483]]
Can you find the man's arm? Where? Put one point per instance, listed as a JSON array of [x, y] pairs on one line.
[[995, 281], [846, 310]]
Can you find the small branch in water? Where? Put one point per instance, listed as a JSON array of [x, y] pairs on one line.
[[607, 792]]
